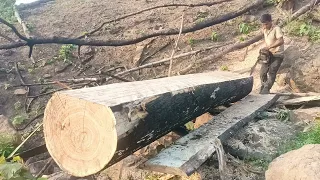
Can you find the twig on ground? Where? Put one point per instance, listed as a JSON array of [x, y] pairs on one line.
[[176, 45], [26, 106], [155, 52], [30, 121], [44, 168], [64, 68]]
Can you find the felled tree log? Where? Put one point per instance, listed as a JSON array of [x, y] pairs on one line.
[[87, 130]]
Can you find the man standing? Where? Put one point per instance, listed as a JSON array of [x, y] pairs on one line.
[[274, 43]]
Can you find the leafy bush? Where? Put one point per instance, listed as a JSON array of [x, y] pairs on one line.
[[301, 28], [303, 138], [214, 36], [65, 52], [7, 11], [246, 28]]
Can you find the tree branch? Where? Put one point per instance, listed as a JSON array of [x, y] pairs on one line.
[[148, 9], [62, 40], [14, 29]]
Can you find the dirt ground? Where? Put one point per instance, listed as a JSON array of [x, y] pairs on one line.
[[300, 71]]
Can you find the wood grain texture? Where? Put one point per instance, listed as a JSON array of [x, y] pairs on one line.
[[191, 151], [89, 129]]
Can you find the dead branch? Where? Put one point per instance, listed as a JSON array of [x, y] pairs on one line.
[[26, 106], [176, 45], [155, 52], [88, 42], [148, 9], [30, 121], [152, 64], [45, 167]]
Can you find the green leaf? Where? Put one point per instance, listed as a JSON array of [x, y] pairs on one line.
[[9, 170], [17, 120], [190, 126]]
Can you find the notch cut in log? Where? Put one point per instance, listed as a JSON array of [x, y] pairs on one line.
[[87, 130], [188, 153]]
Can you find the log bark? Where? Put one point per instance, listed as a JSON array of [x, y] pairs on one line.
[[89, 129]]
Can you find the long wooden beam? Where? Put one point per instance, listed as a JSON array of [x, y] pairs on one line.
[[188, 153], [89, 129]]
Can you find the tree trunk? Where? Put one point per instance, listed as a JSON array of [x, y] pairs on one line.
[[89, 129]]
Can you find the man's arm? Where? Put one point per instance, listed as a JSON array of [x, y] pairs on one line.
[[280, 40]]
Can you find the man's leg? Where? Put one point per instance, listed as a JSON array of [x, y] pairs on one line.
[[263, 76], [274, 67]]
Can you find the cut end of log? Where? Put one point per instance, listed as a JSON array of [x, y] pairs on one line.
[[79, 134]]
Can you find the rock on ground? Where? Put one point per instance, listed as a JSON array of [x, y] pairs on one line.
[[303, 163]]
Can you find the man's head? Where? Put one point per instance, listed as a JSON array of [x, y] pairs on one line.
[[266, 21]]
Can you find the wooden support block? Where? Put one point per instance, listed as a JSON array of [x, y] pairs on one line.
[[188, 153], [302, 100]]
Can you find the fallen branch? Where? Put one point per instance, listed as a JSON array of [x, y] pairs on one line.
[[175, 46], [152, 8], [155, 52], [26, 106], [90, 42], [30, 121], [45, 167], [152, 64]]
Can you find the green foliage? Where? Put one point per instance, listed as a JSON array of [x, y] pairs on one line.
[[6, 145], [262, 163], [191, 41], [302, 28], [17, 105], [246, 28], [7, 86], [18, 120], [274, 2], [31, 27], [303, 138], [7, 11], [189, 126], [15, 171], [283, 115], [214, 36], [31, 70], [201, 16], [224, 68], [65, 52], [241, 39]]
